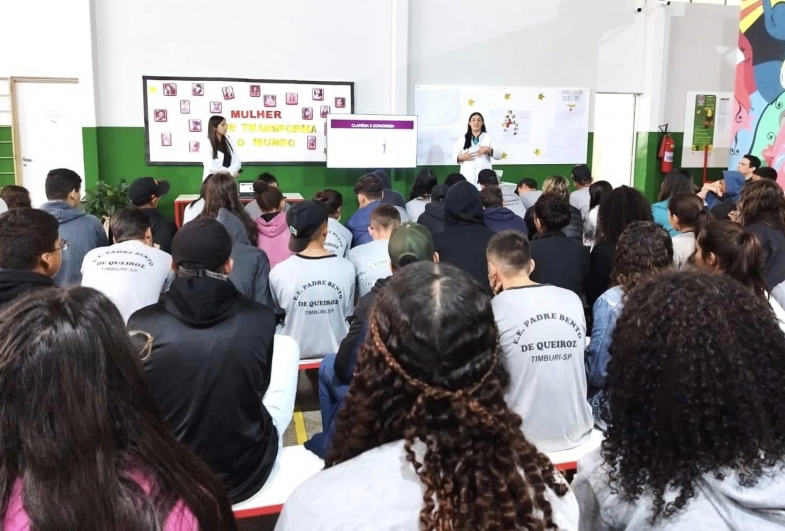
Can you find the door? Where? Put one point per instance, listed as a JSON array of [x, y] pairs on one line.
[[614, 138], [48, 131]]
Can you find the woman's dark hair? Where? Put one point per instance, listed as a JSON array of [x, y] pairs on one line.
[[423, 184], [15, 196], [221, 192], [467, 142], [80, 425], [267, 178], [644, 249], [762, 202], [676, 182], [202, 189], [620, 208], [690, 210], [331, 200], [738, 252], [212, 136], [691, 396], [268, 197], [598, 191], [431, 369]]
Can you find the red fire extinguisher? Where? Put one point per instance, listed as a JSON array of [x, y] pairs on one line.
[[667, 148]]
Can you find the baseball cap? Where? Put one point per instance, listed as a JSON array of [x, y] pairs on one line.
[[410, 242], [202, 244], [304, 219], [487, 178], [143, 188], [581, 173]]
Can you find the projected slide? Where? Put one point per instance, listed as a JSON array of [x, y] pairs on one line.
[[371, 141]]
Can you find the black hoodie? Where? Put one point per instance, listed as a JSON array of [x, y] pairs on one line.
[[465, 235], [14, 284], [209, 369]]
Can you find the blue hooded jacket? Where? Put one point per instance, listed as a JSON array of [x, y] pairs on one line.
[[734, 182]]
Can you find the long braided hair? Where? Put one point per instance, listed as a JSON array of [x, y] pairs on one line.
[[430, 372]]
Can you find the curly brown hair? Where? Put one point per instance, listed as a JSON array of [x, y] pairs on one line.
[[430, 370], [762, 202], [689, 394], [644, 249]]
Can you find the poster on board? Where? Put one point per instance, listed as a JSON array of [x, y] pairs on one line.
[[707, 125], [270, 121], [531, 125]]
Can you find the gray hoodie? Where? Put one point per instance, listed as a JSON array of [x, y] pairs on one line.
[[717, 505], [83, 233], [251, 271]]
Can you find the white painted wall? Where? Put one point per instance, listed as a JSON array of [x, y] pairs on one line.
[[340, 40], [701, 56]]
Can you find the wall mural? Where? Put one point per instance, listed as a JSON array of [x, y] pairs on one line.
[[759, 107]]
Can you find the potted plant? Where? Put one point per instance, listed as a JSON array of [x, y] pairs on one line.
[[104, 200]]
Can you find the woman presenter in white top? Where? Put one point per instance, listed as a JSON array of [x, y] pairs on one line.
[[220, 154], [474, 150]]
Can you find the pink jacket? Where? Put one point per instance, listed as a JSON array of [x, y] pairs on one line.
[[274, 238]]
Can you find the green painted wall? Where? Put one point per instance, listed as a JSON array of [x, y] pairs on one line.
[[6, 157]]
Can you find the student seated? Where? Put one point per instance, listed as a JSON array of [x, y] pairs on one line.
[[761, 211], [369, 195], [15, 197], [30, 252], [253, 209], [339, 238], [82, 231], [561, 261], [145, 193], [581, 197], [543, 334], [465, 235], [195, 207], [527, 191], [676, 182], [408, 243], [497, 216], [697, 413], [420, 195], [85, 445], [764, 172], [426, 413], [688, 216], [390, 196], [271, 223], [132, 272], [372, 261], [598, 191], [510, 201], [212, 368], [558, 185], [433, 216], [644, 250], [251, 271], [314, 287]]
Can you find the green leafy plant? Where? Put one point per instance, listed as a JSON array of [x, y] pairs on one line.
[[104, 200]]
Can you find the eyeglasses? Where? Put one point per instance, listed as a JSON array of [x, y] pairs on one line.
[[139, 337], [64, 244]]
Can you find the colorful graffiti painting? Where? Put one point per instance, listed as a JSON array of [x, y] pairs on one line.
[[759, 107]]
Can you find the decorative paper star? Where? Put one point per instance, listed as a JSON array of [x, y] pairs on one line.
[[153, 90], [471, 102], [504, 155], [507, 96], [541, 96], [537, 152]]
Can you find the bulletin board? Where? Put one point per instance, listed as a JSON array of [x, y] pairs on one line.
[[707, 122], [270, 121], [530, 125]]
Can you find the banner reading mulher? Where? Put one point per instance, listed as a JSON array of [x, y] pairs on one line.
[[371, 141], [269, 121]]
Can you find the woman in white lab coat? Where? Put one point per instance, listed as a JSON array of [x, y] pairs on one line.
[[220, 154], [474, 150]]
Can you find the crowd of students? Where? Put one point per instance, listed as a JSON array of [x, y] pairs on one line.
[[147, 376]]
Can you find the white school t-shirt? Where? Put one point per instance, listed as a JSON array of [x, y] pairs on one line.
[[339, 238], [543, 335], [317, 294], [372, 262], [132, 274]]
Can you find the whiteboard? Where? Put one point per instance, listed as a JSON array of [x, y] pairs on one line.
[[719, 154], [371, 140], [280, 122], [530, 125]]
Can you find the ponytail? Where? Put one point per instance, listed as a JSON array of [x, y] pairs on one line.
[[738, 252], [689, 209]]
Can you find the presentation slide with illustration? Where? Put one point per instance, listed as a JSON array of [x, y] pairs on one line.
[[530, 125], [269, 121], [371, 141]]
